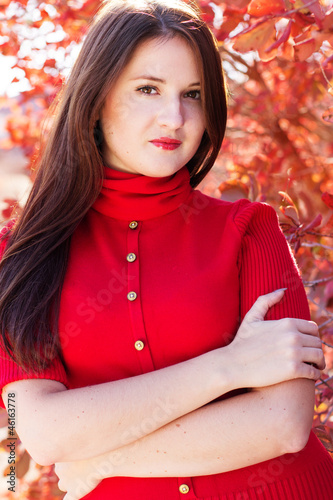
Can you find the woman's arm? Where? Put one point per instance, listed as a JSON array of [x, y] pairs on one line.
[[111, 415], [222, 436], [225, 435]]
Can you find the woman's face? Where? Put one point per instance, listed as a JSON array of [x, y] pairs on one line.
[[152, 119]]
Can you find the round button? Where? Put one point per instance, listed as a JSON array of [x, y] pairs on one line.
[[139, 345], [183, 488], [131, 257], [131, 296], [133, 224]]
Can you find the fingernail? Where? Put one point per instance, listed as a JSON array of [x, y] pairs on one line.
[[280, 290]]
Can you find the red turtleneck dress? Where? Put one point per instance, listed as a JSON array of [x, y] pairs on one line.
[[159, 273]]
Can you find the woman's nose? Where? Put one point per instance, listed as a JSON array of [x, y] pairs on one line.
[[171, 114]]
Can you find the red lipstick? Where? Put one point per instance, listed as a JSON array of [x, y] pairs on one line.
[[166, 143]]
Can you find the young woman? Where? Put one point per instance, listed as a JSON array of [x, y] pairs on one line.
[[132, 306]]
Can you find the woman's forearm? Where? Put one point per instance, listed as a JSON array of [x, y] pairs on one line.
[[221, 436], [74, 423], [82, 423]]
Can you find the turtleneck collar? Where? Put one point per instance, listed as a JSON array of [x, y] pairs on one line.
[[128, 196]]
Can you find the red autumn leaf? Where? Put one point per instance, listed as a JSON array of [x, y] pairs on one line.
[[283, 38], [233, 190], [268, 50], [226, 28], [238, 4], [256, 38], [328, 21], [329, 224], [316, 10], [291, 213], [327, 199], [207, 14], [286, 198], [22, 464], [50, 63], [305, 49], [7, 212], [314, 223], [259, 8]]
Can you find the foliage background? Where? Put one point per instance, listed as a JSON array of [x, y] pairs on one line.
[[278, 57]]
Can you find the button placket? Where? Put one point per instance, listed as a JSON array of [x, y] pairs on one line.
[[140, 341]]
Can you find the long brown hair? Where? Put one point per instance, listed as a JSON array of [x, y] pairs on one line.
[[70, 169]]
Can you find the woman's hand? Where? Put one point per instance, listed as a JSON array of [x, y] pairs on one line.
[[79, 478], [269, 352]]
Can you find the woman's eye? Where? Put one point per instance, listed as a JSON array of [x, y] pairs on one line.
[[147, 89], [193, 94]]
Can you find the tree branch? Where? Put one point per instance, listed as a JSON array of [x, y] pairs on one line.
[[316, 282]]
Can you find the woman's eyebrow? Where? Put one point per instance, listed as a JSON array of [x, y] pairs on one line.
[[160, 80]]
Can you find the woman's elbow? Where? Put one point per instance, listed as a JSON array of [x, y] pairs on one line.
[[36, 425], [41, 458], [295, 416], [298, 427], [39, 446], [297, 439]]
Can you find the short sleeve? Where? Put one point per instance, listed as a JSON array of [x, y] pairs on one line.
[[266, 263], [11, 371]]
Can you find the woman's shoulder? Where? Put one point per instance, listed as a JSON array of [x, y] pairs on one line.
[[242, 212]]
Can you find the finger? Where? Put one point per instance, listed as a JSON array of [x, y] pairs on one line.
[[261, 306], [314, 357], [303, 326], [300, 325], [308, 327], [310, 341], [61, 486], [58, 468], [310, 371]]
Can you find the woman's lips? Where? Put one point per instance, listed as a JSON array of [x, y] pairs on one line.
[[166, 143]]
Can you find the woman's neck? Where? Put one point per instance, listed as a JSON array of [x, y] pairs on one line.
[[128, 196]]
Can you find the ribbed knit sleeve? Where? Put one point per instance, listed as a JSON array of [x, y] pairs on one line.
[[266, 263], [11, 371]]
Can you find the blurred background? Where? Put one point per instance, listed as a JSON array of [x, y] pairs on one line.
[[278, 60]]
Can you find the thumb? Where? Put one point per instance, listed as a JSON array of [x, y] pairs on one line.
[[261, 306]]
